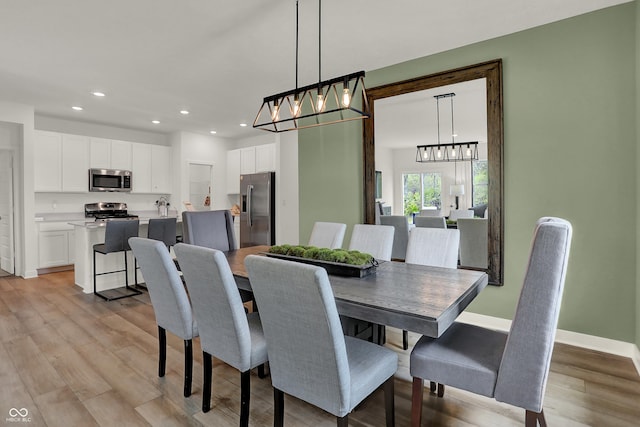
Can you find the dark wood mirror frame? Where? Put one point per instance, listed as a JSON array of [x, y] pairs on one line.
[[492, 72]]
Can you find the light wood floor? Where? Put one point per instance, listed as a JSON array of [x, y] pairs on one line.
[[71, 359]]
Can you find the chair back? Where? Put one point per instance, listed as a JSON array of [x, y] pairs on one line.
[[376, 240], [474, 242], [163, 229], [222, 322], [168, 296], [327, 235], [430, 212], [433, 246], [211, 229], [430, 221], [306, 347], [454, 214], [117, 234], [400, 236], [522, 377]]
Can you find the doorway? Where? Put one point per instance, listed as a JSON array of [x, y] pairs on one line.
[[7, 260], [200, 183]]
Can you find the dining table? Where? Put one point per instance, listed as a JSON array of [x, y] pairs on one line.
[[412, 297]]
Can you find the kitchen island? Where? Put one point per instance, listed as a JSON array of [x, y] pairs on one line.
[[89, 233]]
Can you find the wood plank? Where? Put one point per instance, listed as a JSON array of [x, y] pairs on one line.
[[35, 370], [62, 408], [112, 409]]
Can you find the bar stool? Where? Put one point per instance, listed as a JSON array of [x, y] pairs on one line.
[[116, 239], [164, 230]]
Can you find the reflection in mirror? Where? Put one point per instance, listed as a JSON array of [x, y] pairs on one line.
[[406, 115]]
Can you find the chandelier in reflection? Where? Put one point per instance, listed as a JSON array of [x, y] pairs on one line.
[[322, 103], [447, 151]]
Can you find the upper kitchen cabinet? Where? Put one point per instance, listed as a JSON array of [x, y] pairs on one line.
[[111, 154], [151, 168], [243, 161], [61, 162]]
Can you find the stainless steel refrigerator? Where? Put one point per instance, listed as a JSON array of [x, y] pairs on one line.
[[257, 214]]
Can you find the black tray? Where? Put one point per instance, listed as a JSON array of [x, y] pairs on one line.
[[335, 268]]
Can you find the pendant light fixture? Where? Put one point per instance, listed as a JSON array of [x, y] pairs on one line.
[[449, 151], [325, 102]]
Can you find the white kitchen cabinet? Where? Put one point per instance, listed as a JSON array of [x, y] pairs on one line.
[[247, 160], [55, 245], [48, 161], [110, 154], [265, 158], [151, 168], [75, 163], [233, 172], [61, 162], [160, 169]]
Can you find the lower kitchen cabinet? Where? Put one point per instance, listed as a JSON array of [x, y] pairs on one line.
[[55, 245]]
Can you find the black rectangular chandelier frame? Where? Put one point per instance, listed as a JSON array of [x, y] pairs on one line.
[[451, 152]]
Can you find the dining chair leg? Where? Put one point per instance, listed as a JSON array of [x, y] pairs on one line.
[[389, 402], [533, 419], [162, 351], [440, 390], [262, 371], [207, 367], [416, 402], [343, 421], [405, 340], [188, 367], [432, 386], [278, 408], [245, 393]]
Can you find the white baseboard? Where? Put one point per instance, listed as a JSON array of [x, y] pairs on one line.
[[605, 345]]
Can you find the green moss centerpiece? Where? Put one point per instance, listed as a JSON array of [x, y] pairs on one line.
[[336, 261]]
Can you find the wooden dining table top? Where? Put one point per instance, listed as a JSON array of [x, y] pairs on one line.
[[417, 298]]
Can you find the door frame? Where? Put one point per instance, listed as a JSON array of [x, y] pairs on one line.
[[12, 232]]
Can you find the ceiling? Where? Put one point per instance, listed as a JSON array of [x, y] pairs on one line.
[[218, 59]]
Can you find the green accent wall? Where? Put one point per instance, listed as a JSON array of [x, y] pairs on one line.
[[570, 151]]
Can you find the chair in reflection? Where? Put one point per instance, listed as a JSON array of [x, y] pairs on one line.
[[513, 367], [430, 212], [474, 251], [169, 300], [454, 214], [400, 236], [309, 356], [327, 235], [116, 239], [430, 221], [435, 247], [226, 332]]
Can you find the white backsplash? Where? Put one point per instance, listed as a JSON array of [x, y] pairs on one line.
[[71, 202]]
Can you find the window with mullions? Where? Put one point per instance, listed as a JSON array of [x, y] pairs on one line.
[[421, 191], [480, 182]]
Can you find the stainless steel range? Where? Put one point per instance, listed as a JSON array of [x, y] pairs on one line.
[[107, 211]]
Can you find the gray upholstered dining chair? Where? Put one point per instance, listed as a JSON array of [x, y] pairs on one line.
[[454, 214], [169, 300], [436, 247], [513, 368], [309, 356], [211, 229], [327, 235], [226, 331], [431, 212], [400, 236], [376, 240], [430, 221], [474, 242]]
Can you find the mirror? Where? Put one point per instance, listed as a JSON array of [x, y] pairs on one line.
[[492, 73]]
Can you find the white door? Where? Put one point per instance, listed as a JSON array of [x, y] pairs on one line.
[[6, 211], [200, 186]]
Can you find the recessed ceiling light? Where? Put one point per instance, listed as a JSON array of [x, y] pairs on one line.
[[244, 125], [98, 94], [155, 122], [75, 107], [212, 132], [185, 112]]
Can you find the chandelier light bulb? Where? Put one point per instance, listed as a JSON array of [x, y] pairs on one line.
[[453, 152], [346, 97], [439, 153], [295, 110], [275, 114], [320, 104], [468, 151]]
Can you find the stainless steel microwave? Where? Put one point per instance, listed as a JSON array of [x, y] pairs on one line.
[[109, 180]]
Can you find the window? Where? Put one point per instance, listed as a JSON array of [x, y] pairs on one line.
[[421, 191], [480, 182]]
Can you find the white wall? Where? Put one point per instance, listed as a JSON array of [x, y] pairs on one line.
[[384, 163], [25, 236], [287, 209]]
